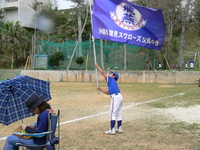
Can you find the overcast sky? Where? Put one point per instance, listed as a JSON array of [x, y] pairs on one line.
[[63, 4]]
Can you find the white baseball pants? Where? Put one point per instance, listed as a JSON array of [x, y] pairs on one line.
[[116, 107]]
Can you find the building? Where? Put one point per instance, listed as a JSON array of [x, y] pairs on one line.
[[20, 10]]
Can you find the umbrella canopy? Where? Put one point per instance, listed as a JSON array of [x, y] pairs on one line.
[[14, 93]]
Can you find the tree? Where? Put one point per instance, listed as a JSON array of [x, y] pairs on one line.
[[187, 13], [178, 15], [197, 15], [80, 60], [1, 17], [15, 39], [55, 59], [36, 5], [1, 25], [170, 11], [79, 6], [68, 30]]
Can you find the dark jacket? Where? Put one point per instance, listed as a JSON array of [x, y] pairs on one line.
[[42, 126]]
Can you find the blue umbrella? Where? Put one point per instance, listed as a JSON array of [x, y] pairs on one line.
[[14, 93]]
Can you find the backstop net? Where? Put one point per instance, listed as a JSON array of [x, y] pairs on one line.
[[109, 55]]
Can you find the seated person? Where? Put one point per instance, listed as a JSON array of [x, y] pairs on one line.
[[36, 105]]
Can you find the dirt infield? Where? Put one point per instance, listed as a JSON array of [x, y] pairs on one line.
[[155, 117]]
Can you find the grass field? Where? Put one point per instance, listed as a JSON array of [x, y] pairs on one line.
[[147, 121]]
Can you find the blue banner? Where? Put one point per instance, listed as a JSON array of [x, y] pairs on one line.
[[125, 22]]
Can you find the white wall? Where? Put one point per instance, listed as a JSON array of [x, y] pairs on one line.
[[173, 77], [26, 14], [11, 15], [21, 11]]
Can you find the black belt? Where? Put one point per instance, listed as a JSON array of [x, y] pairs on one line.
[[114, 94]]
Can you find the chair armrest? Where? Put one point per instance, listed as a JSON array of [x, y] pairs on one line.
[[38, 135]]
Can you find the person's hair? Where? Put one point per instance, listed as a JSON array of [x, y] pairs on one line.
[[42, 107]]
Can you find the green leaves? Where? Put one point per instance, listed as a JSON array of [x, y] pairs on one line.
[[55, 59]]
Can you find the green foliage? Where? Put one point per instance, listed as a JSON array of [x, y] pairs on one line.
[[40, 69], [14, 40], [55, 59], [14, 37], [1, 17], [79, 60], [20, 62], [5, 63], [174, 45]]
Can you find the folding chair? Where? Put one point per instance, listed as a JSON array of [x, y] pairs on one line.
[[52, 141]]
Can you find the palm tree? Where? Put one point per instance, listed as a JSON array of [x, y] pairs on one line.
[[68, 30], [15, 39]]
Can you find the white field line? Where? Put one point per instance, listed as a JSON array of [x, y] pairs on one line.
[[102, 113]]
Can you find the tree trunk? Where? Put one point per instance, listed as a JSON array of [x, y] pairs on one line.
[[186, 13], [169, 40], [182, 46], [12, 61], [79, 31]]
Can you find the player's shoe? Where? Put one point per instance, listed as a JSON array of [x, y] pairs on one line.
[[111, 132], [119, 130]]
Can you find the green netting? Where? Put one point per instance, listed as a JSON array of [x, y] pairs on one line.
[[110, 53]]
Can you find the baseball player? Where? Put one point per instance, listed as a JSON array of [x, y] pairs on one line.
[[191, 63], [116, 100], [159, 65]]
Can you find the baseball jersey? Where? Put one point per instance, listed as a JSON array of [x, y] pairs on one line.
[[112, 85]]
